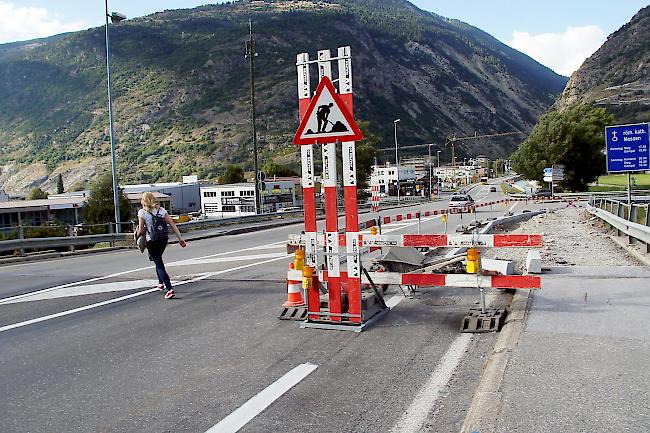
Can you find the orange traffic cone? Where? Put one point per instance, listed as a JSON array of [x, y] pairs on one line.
[[294, 290]]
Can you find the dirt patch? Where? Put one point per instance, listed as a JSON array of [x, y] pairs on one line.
[[572, 237]]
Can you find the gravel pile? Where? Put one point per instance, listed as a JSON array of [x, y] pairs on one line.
[[572, 237]]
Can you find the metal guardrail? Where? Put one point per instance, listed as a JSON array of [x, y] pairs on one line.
[[632, 220], [71, 241]]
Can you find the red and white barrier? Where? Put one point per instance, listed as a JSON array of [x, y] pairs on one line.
[[452, 280], [435, 240]]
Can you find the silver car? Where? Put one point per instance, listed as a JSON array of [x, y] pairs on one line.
[[461, 200]]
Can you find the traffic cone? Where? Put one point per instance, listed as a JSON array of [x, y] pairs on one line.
[[294, 290]]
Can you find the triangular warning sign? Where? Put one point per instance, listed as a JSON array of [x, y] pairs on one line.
[[327, 119]]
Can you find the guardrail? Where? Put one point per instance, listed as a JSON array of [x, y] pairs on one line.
[[22, 241], [632, 220]]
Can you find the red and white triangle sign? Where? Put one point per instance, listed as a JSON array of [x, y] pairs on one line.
[[327, 119]]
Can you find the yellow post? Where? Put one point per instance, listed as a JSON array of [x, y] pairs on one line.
[[373, 230], [473, 261], [299, 260]]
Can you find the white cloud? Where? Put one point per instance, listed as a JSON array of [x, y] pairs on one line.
[[20, 23], [563, 52]]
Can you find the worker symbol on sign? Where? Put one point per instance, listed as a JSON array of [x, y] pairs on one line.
[[327, 119], [322, 114]]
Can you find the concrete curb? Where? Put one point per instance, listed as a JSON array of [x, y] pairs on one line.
[[486, 404], [637, 255]]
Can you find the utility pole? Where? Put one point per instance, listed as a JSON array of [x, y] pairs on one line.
[[250, 55]]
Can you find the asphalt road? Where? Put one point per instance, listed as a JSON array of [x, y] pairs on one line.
[[86, 344]]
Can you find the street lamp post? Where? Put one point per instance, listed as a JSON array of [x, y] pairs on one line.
[[396, 158], [115, 17], [430, 171], [438, 156]]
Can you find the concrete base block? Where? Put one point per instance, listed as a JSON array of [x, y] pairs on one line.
[[534, 262], [502, 267]]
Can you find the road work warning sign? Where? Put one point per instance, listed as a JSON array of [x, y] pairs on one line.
[[327, 119]]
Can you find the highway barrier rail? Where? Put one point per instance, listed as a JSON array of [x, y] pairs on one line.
[[631, 220]]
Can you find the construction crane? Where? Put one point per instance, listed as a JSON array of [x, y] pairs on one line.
[[451, 140]]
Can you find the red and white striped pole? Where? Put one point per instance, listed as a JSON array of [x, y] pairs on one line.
[[308, 185], [350, 193], [331, 210]]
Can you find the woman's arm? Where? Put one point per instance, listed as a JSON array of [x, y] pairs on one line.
[[142, 227], [171, 222]]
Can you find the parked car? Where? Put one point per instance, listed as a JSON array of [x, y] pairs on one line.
[[461, 200], [543, 192]]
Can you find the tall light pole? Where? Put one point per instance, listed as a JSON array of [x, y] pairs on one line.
[[115, 17], [396, 158], [250, 55], [430, 170], [438, 156]]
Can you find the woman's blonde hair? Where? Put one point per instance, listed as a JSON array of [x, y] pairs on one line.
[[148, 201]]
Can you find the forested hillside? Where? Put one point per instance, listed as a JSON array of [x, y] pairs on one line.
[[181, 90]]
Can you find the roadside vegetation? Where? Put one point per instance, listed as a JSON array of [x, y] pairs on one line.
[[574, 138]]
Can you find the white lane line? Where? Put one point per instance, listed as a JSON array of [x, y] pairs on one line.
[[191, 262], [393, 301], [415, 416], [253, 407], [76, 310], [133, 295], [512, 207], [117, 274], [91, 289]]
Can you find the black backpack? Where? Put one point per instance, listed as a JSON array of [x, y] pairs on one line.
[[159, 230]]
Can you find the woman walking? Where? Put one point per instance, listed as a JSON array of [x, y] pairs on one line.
[[152, 222]]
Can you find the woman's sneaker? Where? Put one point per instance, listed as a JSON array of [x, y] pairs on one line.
[[160, 287], [169, 294]]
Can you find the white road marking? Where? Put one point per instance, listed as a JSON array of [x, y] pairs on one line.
[[415, 416], [91, 280], [85, 290], [512, 207], [191, 262], [253, 407], [132, 295], [393, 301]]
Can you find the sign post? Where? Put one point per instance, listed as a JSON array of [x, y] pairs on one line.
[[628, 150]]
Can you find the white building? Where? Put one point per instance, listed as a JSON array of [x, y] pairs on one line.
[[386, 176], [453, 176], [185, 196], [238, 199]]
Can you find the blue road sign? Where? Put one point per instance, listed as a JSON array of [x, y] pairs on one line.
[[628, 148], [548, 170]]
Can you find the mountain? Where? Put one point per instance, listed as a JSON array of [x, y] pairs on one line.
[[617, 76], [181, 88]]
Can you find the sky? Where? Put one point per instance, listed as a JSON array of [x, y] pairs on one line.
[[559, 34]]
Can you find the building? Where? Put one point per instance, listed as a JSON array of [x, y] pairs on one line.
[[3, 195], [419, 163], [185, 196], [386, 177], [454, 176], [238, 199], [41, 212], [134, 199]]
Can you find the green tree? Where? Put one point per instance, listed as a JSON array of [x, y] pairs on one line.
[[99, 208], [233, 174], [271, 169], [365, 157], [36, 194], [574, 137], [59, 184]]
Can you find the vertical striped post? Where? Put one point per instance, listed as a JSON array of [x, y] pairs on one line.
[[350, 192], [308, 186], [331, 210]]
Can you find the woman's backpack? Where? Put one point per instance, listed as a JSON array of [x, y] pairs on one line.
[[159, 231]]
